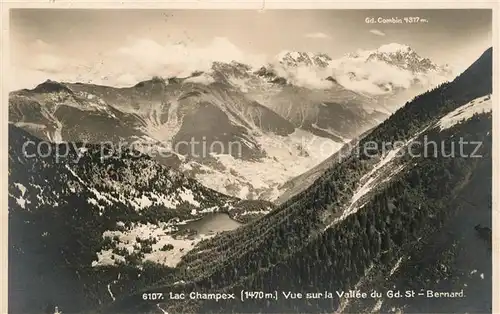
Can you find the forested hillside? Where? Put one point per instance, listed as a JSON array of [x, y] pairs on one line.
[[362, 215], [64, 200]]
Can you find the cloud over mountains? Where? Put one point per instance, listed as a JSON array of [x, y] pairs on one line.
[[318, 35], [377, 32], [139, 59]]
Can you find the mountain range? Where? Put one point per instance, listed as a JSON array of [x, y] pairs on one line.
[[288, 115]]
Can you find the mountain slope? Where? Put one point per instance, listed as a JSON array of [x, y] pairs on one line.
[[214, 133], [72, 207], [306, 179], [361, 215], [334, 113]]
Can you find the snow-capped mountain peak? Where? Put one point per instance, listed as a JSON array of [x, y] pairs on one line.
[[296, 58], [394, 54], [394, 48], [387, 69]]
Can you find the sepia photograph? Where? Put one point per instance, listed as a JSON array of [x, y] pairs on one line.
[[250, 161]]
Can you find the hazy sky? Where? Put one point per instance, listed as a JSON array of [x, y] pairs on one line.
[[120, 47]]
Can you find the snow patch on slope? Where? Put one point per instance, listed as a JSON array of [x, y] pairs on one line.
[[370, 178], [188, 196], [110, 292], [376, 308], [128, 240], [137, 200], [396, 266], [381, 172], [21, 188], [204, 79], [465, 112]]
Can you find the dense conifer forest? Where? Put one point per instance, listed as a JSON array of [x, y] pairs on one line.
[[299, 247]]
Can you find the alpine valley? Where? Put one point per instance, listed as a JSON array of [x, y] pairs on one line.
[[252, 128], [117, 206]]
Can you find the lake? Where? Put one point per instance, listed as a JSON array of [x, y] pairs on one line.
[[212, 223]]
